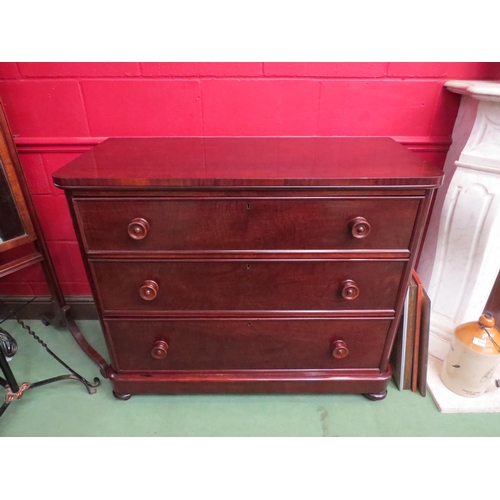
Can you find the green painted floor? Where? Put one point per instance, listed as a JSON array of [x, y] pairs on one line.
[[66, 409]]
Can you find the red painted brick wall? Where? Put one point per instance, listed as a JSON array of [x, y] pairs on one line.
[[57, 110]]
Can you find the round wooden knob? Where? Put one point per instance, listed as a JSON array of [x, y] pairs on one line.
[[339, 349], [160, 349], [360, 228], [349, 290], [149, 290], [138, 229]]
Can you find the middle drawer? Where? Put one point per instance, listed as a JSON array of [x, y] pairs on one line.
[[128, 285]]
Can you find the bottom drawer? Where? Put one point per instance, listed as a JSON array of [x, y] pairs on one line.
[[187, 344]]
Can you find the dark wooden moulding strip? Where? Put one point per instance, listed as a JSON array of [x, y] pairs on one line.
[[244, 255], [246, 315], [255, 381]]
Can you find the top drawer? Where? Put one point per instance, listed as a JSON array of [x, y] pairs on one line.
[[209, 223]]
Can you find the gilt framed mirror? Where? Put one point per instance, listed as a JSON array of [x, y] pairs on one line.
[[16, 227], [19, 225]]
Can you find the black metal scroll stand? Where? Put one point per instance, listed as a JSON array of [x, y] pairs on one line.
[[8, 348]]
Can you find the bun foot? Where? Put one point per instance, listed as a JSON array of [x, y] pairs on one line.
[[123, 397], [378, 396]]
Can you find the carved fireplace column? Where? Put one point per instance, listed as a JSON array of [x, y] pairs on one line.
[[461, 256]]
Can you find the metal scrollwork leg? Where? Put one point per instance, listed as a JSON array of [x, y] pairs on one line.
[[11, 396], [91, 388], [8, 347]]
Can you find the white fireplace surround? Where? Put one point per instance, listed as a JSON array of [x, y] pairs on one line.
[[460, 259]]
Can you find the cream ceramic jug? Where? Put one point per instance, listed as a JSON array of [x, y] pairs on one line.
[[469, 368]]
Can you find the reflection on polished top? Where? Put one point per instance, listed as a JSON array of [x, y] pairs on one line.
[[247, 161]]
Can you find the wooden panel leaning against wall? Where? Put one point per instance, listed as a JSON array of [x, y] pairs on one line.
[[493, 304]]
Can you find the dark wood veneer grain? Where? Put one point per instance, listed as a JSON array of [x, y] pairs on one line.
[[245, 223], [246, 344], [246, 284], [247, 161]]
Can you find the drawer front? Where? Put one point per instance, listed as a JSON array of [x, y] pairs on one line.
[[246, 344], [130, 224], [247, 285]]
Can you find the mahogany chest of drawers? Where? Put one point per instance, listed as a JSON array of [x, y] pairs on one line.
[[259, 265]]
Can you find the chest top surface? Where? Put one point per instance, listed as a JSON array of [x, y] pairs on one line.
[[175, 162]]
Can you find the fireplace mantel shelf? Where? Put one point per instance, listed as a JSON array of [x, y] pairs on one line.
[[477, 89]]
